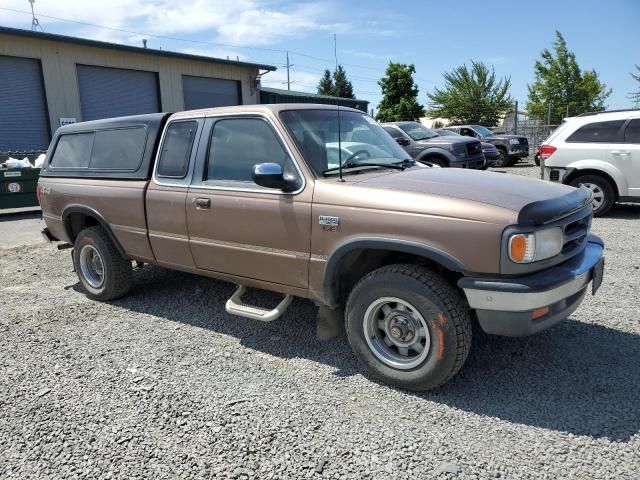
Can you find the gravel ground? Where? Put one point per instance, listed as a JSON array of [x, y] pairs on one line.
[[165, 384]]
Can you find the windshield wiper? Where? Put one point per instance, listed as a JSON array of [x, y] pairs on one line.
[[407, 162], [364, 164]]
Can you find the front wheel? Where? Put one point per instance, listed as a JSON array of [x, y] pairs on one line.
[[503, 159], [603, 194], [408, 327]]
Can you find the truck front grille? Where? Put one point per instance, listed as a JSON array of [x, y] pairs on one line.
[[474, 148], [576, 233], [554, 175]]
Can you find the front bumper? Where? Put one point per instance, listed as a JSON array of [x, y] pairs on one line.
[[529, 304], [472, 161], [519, 151]]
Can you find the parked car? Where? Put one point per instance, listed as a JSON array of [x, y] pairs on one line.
[[425, 145], [491, 153], [600, 151], [405, 255], [511, 147]]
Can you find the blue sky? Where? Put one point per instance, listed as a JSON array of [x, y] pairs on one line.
[[434, 36]]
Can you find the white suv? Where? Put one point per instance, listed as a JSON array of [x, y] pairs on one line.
[[600, 151]]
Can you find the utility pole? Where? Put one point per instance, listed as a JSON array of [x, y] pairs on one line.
[[567, 111], [549, 119], [288, 82], [515, 120]]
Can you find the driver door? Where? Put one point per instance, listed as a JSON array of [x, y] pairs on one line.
[[237, 227]]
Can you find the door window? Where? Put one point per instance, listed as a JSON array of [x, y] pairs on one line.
[[467, 132], [597, 132], [632, 134], [237, 144], [393, 132], [176, 149]]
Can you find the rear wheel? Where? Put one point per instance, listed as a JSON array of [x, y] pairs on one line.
[[104, 274], [408, 327], [603, 194]]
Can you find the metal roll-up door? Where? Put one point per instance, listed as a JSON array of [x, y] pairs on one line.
[[204, 92], [115, 92], [23, 106]]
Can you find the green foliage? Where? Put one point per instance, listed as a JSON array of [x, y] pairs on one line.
[[325, 86], [336, 85], [473, 96], [437, 124], [399, 95], [559, 82], [635, 96], [341, 85]]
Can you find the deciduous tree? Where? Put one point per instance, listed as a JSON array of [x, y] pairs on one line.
[[399, 94], [471, 95], [561, 85]]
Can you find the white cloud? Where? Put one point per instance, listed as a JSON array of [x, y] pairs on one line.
[[238, 22]]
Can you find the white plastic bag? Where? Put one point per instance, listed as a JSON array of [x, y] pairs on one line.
[[40, 160]]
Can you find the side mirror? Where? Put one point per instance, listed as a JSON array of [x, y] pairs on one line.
[[402, 142], [271, 175]]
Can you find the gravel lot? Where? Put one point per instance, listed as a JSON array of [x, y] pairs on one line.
[[165, 384]]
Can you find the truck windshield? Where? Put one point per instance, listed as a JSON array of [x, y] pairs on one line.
[[483, 131], [362, 140], [417, 131]]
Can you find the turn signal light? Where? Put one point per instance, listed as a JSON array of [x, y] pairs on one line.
[[539, 312], [522, 247]]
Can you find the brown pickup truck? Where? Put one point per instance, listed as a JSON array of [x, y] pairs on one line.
[[321, 203]]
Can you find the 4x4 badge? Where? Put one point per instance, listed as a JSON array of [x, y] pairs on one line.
[[328, 220]]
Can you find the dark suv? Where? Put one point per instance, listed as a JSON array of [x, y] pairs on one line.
[[426, 145], [511, 147]]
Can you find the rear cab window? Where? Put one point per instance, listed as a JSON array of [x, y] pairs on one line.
[[176, 149]]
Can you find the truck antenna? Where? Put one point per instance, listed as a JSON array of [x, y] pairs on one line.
[[335, 54]]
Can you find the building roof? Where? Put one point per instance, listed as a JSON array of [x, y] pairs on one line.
[[293, 93], [127, 48]]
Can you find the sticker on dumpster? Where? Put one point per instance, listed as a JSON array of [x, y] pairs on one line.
[[14, 187], [12, 174]]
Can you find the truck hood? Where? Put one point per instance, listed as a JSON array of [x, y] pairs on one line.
[[502, 137], [498, 189], [446, 140]]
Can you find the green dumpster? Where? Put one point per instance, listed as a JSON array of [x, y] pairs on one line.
[[18, 186]]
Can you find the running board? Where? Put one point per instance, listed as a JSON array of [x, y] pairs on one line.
[[234, 306]]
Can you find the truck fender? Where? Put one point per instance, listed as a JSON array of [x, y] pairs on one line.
[[435, 151], [331, 280], [612, 171], [90, 212]]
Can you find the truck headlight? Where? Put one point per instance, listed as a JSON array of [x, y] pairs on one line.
[[536, 246], [514, 141], [458, 149]]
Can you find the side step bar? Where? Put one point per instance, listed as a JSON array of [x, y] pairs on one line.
[[235, 306]]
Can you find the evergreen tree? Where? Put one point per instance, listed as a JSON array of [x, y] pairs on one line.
[[399, 94], [635, 96], [560, 84], [325, 86], [471, 96], [342, 87]]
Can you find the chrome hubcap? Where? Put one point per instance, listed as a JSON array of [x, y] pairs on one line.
[[396, 333], [598, 194], [92, 266]]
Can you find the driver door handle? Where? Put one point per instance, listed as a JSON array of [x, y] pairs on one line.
[[202, 203]]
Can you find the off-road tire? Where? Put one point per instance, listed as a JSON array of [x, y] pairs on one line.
[[117, 276], [441, 306], [604, 186]]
